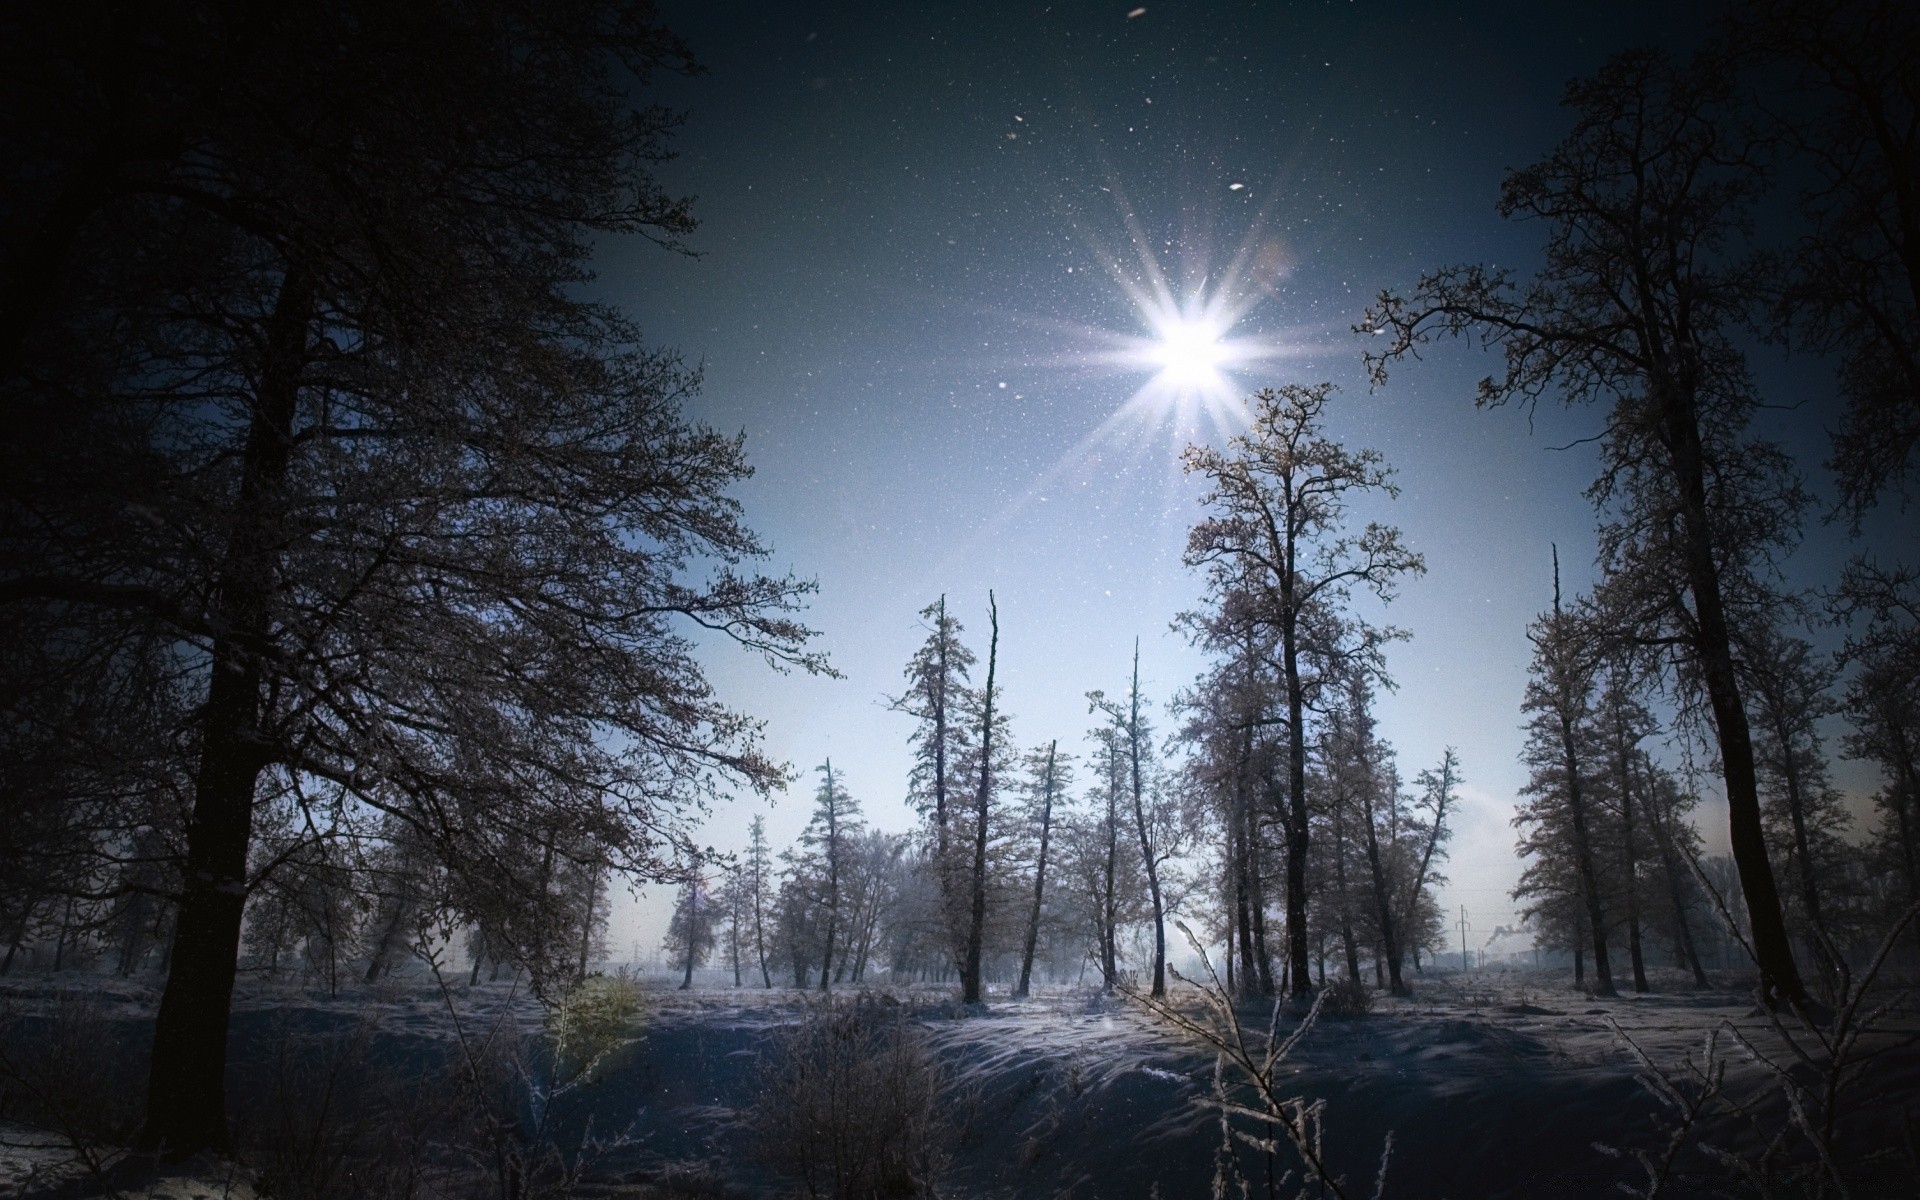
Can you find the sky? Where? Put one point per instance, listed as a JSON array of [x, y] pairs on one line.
[[923, 231]]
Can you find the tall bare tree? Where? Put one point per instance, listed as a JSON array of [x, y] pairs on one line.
[[990, 749], [1049, 777], [308, 391], [1638, 309], [1277, 532]]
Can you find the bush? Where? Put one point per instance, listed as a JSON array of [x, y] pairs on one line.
[[595, 1018], [851, 1105], [1347, 998]]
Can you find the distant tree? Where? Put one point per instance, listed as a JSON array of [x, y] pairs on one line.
[[824, 860], [691, 930], [736, 903], [757, 881], [1638, 308], [1369, 787], [1275, 537], [1439, 787], [1049, 776], [1805, 814], [1155, 825], [1620, 723], [1883, 703], [1229, 731], [1095, 847], [1562, 760], [990, 753], [1676, 845], [936, 690]]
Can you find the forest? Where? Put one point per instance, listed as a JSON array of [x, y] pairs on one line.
[[363, 574]]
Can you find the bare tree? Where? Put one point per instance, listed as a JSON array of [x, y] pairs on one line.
[[1835, 78], [1637, 308], [1279, 495], [989, 749], [1049, 778], [420, 519]]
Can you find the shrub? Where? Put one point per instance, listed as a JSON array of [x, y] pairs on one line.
[[1347, 998], [596, 1017], [852, 1105]]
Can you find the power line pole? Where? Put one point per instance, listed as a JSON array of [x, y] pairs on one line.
[[1464, 965]]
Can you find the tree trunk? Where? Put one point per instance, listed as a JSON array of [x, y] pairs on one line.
[[1296, 824], [1340, 890], [1039, 877], [586, 927], [1146, 842], [977, 877], [186, 1085], [1258, 898], [1583, 852], [1109, 912], [1780, 978]]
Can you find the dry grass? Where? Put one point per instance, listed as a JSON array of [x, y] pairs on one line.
[[853, 1105]]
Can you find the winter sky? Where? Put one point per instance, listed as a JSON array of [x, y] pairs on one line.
[[926, 229]]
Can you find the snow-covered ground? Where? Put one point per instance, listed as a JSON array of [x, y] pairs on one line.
[[1496, 1083]]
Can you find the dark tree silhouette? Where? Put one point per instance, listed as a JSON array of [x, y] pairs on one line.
[[1559, 735], [304, 390], [1835, 78], [989, 748], [1636, 308]]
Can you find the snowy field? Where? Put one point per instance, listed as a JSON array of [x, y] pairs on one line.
[[1493, 1085]]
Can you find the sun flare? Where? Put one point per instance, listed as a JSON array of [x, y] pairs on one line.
[[1190, 352]]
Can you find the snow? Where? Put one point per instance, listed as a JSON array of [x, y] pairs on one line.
[[1494, 1083]]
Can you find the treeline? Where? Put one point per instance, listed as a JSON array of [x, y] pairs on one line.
[[1269, 814]]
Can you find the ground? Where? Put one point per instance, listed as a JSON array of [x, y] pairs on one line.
[[1492, 1084]]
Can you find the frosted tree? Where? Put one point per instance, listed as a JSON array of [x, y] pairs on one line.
[[1276, 538], [936, 692], [1562, 760], [1149, 810], [1430, 831], [1805, 815], [823, 863], [691, 932], [756, 881], [1049, 779]]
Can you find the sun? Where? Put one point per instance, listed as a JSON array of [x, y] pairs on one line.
[[1190, 352]]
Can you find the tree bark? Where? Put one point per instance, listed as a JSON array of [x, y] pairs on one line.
[[1780, 978]]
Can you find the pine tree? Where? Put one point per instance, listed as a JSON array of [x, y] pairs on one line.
[[1561, 757]]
